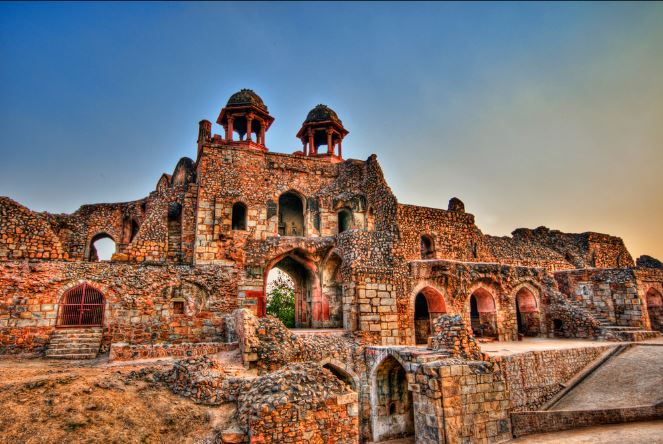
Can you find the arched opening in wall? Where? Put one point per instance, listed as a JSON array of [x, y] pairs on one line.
[[428, 305], [655, 309], [291, 215], [303, 307], [332, 291], [344, 220], [394, 412], [81, 306], [527, 313], [239, 216], [342, 375], [558, 327], [129, 230], [422, 327], [134, 230], [483, 315], [427, 247], [102, 247], [175, 231]]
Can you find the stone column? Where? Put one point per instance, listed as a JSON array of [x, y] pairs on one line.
[[229, 134], [311, 146], [330, 147], [249, 122]]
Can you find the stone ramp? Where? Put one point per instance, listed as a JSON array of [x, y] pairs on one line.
[[631, 378]]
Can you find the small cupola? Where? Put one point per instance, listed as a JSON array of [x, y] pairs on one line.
[[322, 127], [245, 115]]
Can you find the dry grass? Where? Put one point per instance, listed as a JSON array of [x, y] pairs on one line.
[[54, 401]]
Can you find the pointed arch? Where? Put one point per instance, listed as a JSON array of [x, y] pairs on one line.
[[81, 306]]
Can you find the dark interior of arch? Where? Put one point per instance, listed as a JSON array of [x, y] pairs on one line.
[[291, 215]]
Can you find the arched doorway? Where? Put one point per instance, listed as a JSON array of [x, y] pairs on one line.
[[332, 290], [291, 215], [527, 313], [81, 306], [310, 308], [394, 409], [483, 314], [422, 327], [428, 305], [655, 309], [102, 247], [344, 220]]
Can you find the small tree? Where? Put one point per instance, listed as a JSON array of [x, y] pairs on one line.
[[281, 301]]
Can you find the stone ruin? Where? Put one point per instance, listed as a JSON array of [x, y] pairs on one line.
[[377, 280]]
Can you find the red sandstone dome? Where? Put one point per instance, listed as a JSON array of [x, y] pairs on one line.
[[322, 113], [246, 97]]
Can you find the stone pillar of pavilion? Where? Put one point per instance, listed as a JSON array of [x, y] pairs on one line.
[[245, 119], [322, 127]]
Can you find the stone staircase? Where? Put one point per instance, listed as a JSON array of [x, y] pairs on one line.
[[613, 332], [75, 343]]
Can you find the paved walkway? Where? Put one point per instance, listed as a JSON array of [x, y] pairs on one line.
[[650, 432], [632, 378], [536, 344]]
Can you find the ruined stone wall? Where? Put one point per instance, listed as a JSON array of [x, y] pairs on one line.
[[26, 235], [139, 301], [558, 251], [533, 378], [69, 236], [453, 233], [611, 293]]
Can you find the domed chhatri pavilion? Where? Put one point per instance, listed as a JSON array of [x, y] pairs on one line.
[[393, 299]]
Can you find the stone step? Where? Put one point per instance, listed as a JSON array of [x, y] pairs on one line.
[[79, 330], [84, 338], [72, 356], [89, 347], [622, 327]]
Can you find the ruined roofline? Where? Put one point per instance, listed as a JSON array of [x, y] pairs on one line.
[[293, 155], [468, 263]]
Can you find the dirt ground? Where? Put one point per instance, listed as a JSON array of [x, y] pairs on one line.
[[47, 401]]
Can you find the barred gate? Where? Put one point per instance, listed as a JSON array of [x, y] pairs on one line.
[[82, 306]]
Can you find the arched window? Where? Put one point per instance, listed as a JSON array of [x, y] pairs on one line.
[[102, 247], [82, 306], [239, 216], [344, 220], [291, 215], [427, 248]]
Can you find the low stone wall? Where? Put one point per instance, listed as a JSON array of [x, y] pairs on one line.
[[122, 351], [267, 345], [533, 378], [526, 423], [475, 404], [301, 403]]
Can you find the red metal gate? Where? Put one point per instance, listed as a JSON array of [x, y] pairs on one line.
[[82, 306]]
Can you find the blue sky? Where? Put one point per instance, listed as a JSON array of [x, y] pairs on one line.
[[531, 113]]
